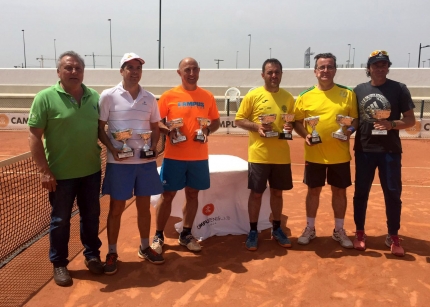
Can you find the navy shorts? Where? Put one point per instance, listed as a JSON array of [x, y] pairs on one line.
[[338, 175], [177, 174], [122, 179], [278, 175]]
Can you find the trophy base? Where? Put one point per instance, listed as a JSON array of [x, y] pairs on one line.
[[285, 136], [271, 134], [339, 136], [179, 139], [147, 154], [379, 132], [199, 138], [315, 140], [126, 154]]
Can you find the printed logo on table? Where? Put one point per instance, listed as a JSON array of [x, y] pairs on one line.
[[4, 120], [208, 209]]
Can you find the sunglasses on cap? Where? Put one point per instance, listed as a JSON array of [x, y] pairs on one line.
[[377, 52]]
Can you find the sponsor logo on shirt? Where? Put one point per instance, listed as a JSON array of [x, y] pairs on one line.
[[191, 104]]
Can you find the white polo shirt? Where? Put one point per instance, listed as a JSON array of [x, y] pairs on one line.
[[120, 111]]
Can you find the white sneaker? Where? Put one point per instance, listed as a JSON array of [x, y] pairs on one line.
[[341, 237], [157, 245], [190, 242], [307, 235]]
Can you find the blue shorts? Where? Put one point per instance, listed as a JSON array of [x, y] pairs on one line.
[[176, 174], [121, 179]]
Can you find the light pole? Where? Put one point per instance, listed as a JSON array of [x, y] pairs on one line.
[[55, 52], [25, 57], [349, 55], [409, 58], [217, 62], [419, 53], [110, 36], [270, 53], [237, 57], [353, 58], [163, 57], [249, 59], [159, 38]]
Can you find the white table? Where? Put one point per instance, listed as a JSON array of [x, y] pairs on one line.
[[223, 208]]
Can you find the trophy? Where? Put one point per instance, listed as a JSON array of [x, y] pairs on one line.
[[342, 120], [203, 122], [176, 124], [378, 115], [146, 153], [284, 135], [313, 121], [123, 136], [268, 119]]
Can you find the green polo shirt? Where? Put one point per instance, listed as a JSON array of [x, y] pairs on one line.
[[70, 131]]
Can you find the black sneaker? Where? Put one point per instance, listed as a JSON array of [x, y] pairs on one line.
[[94, 265], [62, 276], [150, 255], [111, 267]]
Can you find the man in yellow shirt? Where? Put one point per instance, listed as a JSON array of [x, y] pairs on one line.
[[330, 158], [268, 156]]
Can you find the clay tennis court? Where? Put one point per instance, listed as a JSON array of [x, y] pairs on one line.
[[225, 273]]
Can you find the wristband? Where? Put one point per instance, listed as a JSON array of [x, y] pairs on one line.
[[351, 129]]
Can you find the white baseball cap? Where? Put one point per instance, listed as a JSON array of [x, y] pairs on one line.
[[131, 56]]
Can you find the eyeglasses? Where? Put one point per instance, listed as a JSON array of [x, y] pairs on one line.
[[377, 52], [328, 67]]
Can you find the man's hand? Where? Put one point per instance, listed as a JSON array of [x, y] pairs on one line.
[[48, 181], [263, 128], [382, 125]]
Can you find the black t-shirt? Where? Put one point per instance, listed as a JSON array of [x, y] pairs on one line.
[[390, 95]]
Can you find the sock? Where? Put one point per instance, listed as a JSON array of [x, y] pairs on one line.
[[144, 243], [253, 226], [310, 222], [112, 249], [338, 224], [276, 225], [159, 233], [185, 232]]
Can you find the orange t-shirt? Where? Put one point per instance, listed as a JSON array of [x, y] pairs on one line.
[[188, 105]]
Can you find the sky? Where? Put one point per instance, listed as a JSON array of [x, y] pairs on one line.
[[209, 30]]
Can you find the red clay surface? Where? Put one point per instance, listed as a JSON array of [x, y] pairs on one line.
[[225, 273]]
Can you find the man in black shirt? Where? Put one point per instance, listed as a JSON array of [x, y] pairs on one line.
[[377, 145]]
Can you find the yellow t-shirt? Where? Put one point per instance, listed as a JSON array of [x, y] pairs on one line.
[[326, 105], [258, 102]]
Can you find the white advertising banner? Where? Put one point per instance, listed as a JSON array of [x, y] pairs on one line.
[[425, 128], [15, 121], [412, 132]]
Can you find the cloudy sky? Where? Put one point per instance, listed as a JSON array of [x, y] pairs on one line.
[[209, 30]]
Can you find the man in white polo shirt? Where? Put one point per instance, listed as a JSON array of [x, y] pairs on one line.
[[129, 111]]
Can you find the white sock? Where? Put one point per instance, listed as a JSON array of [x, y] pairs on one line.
[[338, 224], [112, 249], [144, 243], [310, 222]]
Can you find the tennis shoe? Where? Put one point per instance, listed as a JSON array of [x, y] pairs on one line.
[[252, 240], [62, 276], [111, 265], [308, 234], [341, 237], [190, 242], [94, 265], [279, 236], [360, 240], [157, 244], [393, 242], [150, 255]]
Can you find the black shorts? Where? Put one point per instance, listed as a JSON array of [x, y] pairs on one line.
[[278, 175], [338, 175]]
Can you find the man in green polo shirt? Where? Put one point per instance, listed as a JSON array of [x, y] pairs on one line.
[[63, 141]]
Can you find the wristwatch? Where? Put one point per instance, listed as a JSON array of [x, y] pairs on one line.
[[393, 124]]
